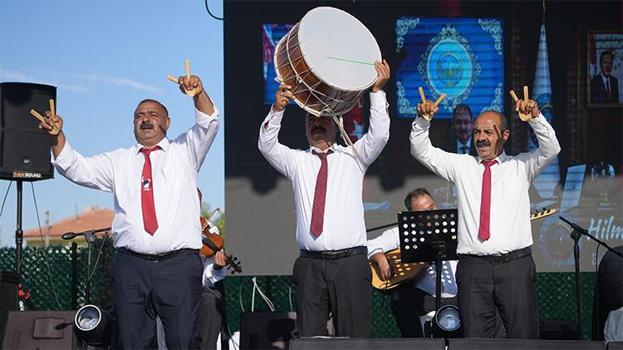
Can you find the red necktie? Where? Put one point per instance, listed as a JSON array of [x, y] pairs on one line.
[[320, 195], [485, 201], [147, 194]]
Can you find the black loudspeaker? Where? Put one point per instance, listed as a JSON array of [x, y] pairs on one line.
[[522, 344], [367, 344], [42, 330], [24, 148], [8, 297], [266, 330]]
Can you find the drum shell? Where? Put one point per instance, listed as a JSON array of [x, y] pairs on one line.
[[310, 92]]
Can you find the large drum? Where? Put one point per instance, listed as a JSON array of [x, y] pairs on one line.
[[328, 60]]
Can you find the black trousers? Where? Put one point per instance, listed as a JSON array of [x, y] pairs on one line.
[[168, 288], [211, 317], [342, 287], [487, 285]]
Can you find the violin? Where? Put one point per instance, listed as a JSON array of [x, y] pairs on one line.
[[213, 243]]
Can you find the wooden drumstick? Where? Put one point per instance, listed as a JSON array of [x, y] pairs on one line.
[[421, 90], [187, 67], [52, 109], [38, 116], [42, 119], [525, 94], [172, 79], [191, 92], [441, 97], [524, 117]]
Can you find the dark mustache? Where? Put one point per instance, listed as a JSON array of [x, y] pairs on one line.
[[146, 125], [483, 143]]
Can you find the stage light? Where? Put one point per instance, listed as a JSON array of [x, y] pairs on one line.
[[447, 322], [92, 325]]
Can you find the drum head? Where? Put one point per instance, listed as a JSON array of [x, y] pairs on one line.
[[338, 48]]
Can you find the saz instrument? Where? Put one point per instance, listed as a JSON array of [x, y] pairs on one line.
[[404, 272]]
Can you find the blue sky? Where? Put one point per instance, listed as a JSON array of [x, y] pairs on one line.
[[104, 57]]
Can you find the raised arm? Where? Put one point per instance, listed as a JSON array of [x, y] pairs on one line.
[[372, 143], [200, 137], [549, 147], [94, 172], [437, 160], [278, 155]]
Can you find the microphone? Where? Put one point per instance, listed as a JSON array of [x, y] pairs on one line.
[[574, 225], [72, 235]]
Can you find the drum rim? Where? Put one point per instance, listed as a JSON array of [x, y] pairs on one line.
[[301, 45], [278, 74], [310, 110]]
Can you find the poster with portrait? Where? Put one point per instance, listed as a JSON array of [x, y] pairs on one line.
[[605, 69]]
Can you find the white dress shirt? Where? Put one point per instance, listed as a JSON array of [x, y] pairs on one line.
[[174, 175], [210, 274], [390, 240], [344, 225], [510, 179]]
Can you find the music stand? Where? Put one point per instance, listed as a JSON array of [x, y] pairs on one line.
[[427, 236]]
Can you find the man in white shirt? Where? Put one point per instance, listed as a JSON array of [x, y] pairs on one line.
[[495, 269], [412, 300], [156, 231], [332, 272]]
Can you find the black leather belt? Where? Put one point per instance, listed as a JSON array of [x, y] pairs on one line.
[[502, 258], [159, 257], [334, 254]]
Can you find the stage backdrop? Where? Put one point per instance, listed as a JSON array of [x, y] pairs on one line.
[[467, 58]]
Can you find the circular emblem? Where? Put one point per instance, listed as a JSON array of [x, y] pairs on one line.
[[449, 68]]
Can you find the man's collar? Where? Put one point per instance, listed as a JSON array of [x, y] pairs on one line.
[[164, 145], [318, 150], [500, 159]]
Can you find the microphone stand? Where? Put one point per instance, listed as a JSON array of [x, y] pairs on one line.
[[19, 239], [576, 234], [90, 237]]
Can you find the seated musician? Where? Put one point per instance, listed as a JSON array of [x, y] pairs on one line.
[[415, 298]]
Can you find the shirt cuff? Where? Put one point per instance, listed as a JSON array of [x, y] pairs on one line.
[[421, 122], [537, 120], [374, 250], [378, 99], [220, 274], [65, 158], [204, 119], [273, 118]]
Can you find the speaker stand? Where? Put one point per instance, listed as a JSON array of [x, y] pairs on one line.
[[19, 239]]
